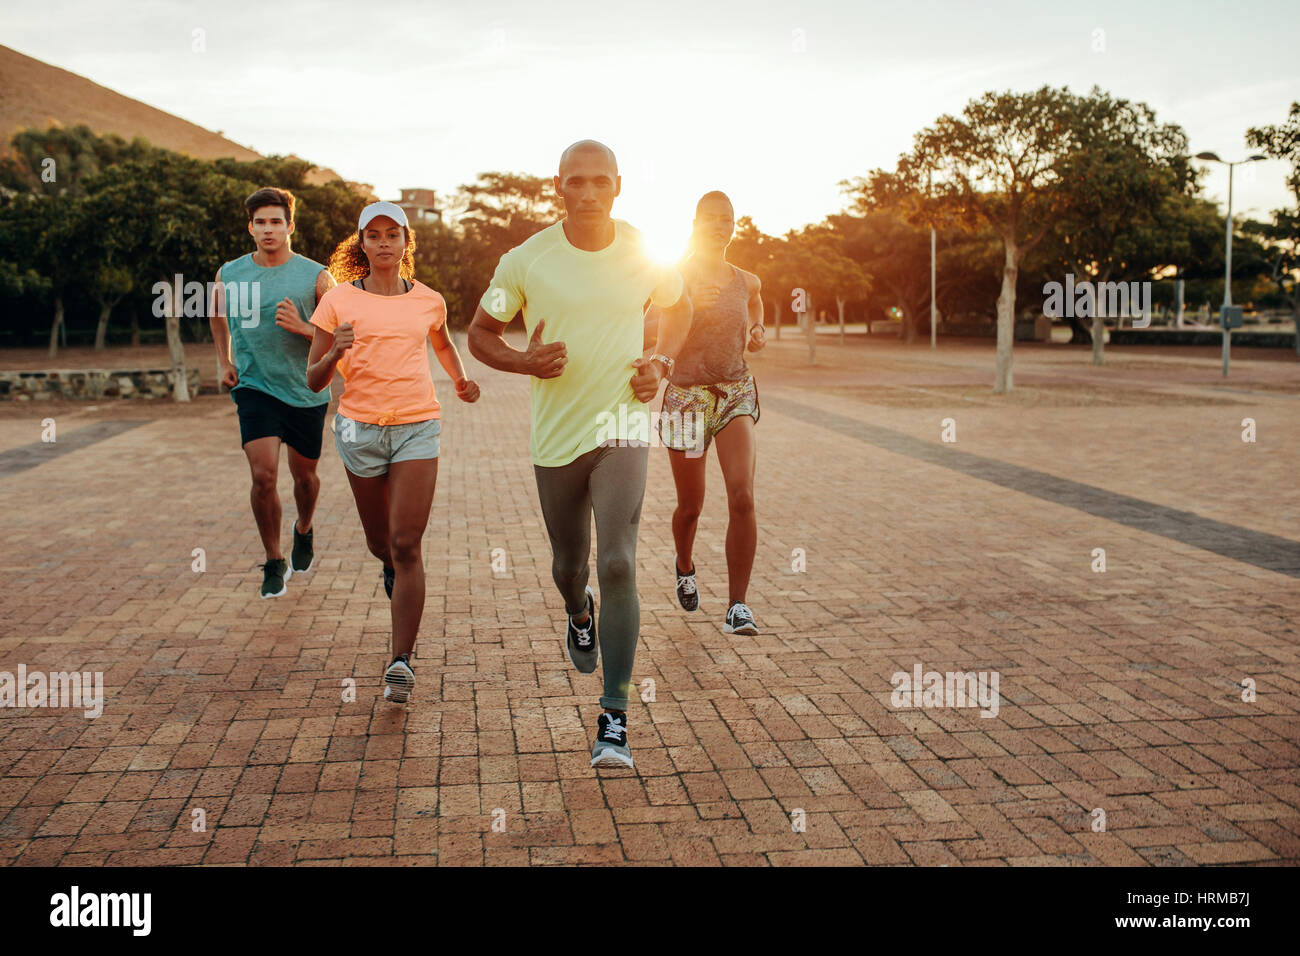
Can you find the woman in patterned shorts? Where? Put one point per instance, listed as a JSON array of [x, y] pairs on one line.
[[711, 395]]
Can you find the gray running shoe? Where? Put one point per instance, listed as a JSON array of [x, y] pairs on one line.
[[610, 748], [275, 576], [580, 642], [740, 620]]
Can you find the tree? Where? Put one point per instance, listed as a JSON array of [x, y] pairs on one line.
[[81, 212], [897, 256], [109, 283], [324, 215], [779, 272], [1111, 186], [55, 233], [182, 215], [496, 213], [996, 166], [843, 278], [1283, 142], [107, 260], [812, 267], [439, 265], [58, 161]]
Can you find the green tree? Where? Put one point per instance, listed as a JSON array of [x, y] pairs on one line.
[[1112, 186], [998, 167], [897, 256], [812, 267], [1282, 141], [439, 265], [108, 272], [55, 230], [182, 215], [324, 215], [494, 214], [58, 161]]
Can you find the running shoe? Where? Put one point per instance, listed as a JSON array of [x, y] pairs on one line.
[[303, 556], [687, 596], [389, 575], [740, 620], [610, 748], [581, 642], [399, 681], [275, 575]]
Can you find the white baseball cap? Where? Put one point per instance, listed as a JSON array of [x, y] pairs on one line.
[[391, 210]]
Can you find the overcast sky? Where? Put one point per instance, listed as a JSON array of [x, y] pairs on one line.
[[773, 102]]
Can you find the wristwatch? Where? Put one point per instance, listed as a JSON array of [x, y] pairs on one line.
[[667, 362]]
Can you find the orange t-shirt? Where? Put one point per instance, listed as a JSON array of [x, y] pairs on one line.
[[386, 371]]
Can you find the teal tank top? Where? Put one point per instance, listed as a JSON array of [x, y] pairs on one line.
[[268, 358]]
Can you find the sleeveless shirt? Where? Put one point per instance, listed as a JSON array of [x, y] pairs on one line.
[[715, 346]]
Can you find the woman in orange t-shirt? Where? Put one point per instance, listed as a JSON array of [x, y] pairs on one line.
[[373, 326]]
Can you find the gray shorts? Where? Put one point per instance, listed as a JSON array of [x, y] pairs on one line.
[[367, 450]]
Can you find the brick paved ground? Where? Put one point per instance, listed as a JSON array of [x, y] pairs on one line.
[[1120, 691]]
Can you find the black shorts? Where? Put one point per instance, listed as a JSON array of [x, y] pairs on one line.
[[265, 416]]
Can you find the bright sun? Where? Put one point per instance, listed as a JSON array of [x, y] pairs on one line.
[[665, 245], [665, 234]]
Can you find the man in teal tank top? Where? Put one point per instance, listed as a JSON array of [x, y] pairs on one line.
[[260, 303]]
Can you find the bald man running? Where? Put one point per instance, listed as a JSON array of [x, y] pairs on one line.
[[582, 285]]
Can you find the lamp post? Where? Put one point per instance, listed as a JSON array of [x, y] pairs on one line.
[[932, 302], [929, 188], [1210, 157]]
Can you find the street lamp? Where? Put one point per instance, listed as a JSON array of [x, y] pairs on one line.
[[929, 188], [1227, 265]]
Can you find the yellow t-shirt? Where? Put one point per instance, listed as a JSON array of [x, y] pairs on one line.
[[593, 302], [386, 372]]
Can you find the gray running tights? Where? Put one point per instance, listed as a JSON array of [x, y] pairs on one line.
[[610, 481]]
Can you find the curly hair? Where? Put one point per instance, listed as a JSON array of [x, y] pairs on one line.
[[349, 262]]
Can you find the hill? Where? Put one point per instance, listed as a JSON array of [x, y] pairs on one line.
[[34, 93]]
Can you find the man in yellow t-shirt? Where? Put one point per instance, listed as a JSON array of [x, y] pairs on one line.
[[582, 285]]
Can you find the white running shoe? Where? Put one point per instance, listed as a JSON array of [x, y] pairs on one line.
[[399, 682]]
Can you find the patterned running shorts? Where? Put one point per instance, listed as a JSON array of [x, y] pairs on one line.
[[692, 416]]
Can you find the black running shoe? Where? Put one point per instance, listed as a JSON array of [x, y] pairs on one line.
[[389, 575], [687, 596], [610, 748], [275, 574], [303, 555], [581, 642], [740, 620]]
